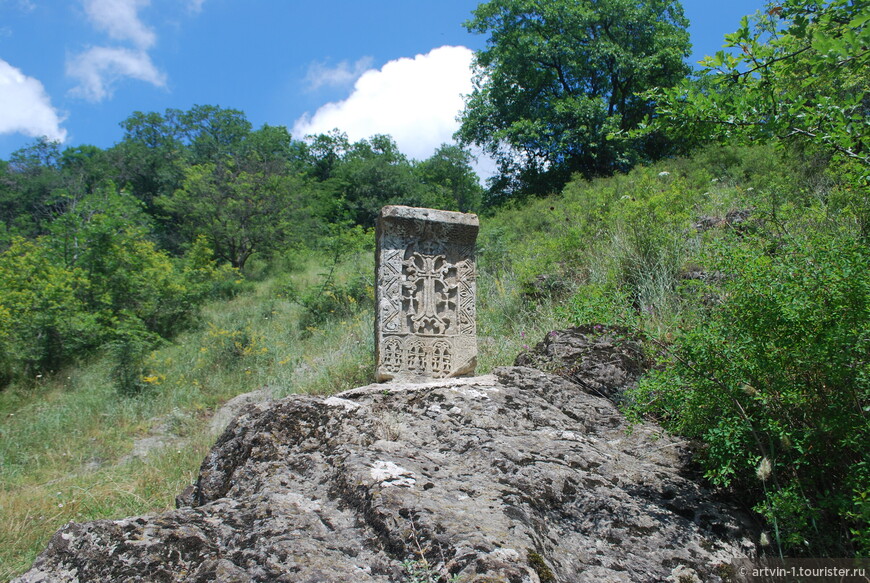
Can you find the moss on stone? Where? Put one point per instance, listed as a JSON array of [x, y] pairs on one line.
[[536, 562]]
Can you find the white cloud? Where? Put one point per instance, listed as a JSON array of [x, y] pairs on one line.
[[98, 69], [25, 106], [319, 74], [120, 18], [195, 5], [414, 100]]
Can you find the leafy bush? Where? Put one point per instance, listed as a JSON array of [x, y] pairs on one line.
[[96, 281], [205, 278], [236, 348], [796, 76], [776, 384], [45, 321], [334, 300], [128, 351]]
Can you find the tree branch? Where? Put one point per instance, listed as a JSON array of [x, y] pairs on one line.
[[826, 140]]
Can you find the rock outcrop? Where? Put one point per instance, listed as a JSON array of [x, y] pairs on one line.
[[603, 360], [519, 476]]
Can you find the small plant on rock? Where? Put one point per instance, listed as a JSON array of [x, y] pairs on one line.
[[420, 571]]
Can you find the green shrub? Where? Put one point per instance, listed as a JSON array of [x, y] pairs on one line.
[[776, 384], [46, 322], [238, 348], [207, 280], [57, 305], [128, 351], [336, 300], [348, 282]]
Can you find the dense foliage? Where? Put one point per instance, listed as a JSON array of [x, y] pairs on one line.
[[776, 383], [754, 298], [558, 79], [93, 280], [796, 74], [773, 380]]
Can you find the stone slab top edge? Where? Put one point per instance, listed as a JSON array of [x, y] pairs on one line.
[[489, 380], [429, 215]]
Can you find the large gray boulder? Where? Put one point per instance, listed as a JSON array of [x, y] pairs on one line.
[[518, 476]]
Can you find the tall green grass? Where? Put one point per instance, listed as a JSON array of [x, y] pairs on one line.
[[619, 249]]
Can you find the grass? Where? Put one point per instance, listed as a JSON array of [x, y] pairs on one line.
[[508, 322], [617, 248]]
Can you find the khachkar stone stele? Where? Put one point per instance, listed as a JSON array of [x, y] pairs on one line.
[[425, 294]]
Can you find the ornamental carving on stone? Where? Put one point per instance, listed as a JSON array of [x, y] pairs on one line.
[[425, 294]]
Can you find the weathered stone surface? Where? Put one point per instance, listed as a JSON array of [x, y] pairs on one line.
[[604, 360], [518, 476], [425, 294], [230, 410]]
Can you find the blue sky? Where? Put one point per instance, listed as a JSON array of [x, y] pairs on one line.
[[74, 69]]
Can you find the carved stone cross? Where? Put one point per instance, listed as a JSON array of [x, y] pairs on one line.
[[425, 294]]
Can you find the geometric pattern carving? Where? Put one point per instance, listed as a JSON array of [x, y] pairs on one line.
[[425, 323]]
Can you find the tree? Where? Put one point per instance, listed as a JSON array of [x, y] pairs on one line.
[[212, 132], [558, 78], [326, 153], [797, 76], [78, 213], [159, 150], [93, 275], [373, 173], [45, 322], [158, 147], [32, 177], [449, 174], [150, 162], [274, 147], [241, 211], [85, 168]]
